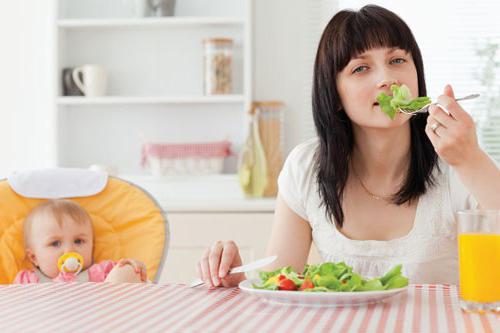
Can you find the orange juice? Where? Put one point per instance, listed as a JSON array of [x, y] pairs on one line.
[[479, 256]]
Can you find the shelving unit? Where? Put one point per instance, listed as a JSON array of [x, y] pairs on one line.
[[155, 80], [129, 100], [149, 22]]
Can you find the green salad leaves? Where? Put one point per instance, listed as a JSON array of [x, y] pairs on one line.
[[327, 277], [401, 98]]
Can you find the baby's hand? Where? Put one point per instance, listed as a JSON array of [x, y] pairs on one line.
[[138, 266]]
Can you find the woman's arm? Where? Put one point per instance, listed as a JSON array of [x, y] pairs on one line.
[[290, 238], [482, 177], [455, 141], [290, 241]]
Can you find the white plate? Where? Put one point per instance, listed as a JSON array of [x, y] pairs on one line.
[[319, 298]]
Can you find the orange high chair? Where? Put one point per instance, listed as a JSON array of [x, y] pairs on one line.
[[127, 221]]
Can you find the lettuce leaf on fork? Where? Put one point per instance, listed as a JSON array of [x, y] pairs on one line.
[[401, 98]]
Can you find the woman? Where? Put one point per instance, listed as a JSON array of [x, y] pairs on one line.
[[371, 191]]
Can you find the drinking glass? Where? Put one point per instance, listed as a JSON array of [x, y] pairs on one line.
[[479, 260]]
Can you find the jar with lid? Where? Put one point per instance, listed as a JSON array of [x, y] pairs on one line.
[[218, 66]]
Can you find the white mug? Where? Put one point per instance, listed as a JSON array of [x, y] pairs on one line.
[[94, 80]]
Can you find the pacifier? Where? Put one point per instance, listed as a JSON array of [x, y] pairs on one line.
[[70, 262]]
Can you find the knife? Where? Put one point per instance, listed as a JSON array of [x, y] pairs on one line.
[[242, 269]]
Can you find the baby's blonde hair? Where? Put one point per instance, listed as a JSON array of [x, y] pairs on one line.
[[59, 208]]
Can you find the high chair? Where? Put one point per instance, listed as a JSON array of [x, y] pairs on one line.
[[127, 221]]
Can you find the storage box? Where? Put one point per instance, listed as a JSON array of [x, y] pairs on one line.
[[169, 159]]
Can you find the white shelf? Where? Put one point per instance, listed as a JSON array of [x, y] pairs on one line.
[[116, 100], [149, 22], [210, 193]]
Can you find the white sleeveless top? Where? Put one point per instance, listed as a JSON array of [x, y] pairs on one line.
[[428, 252]]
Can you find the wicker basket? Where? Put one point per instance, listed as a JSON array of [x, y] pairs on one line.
[[166, 159]]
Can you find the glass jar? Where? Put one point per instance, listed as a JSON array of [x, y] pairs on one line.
[[218, 66]]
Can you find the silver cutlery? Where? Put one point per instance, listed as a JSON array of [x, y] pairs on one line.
[[425, 108], [241, 269]]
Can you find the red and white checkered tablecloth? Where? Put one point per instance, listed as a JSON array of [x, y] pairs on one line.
[[103, 307]]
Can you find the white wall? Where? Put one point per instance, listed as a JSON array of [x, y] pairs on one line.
[[26, 131], [286, 38], [280, 62]]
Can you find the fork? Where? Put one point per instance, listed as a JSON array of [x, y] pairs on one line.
[[425, 108]]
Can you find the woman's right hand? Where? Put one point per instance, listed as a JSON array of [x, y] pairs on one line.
[[216, 262]]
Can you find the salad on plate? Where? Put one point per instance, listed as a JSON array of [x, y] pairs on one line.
[[329, 277]]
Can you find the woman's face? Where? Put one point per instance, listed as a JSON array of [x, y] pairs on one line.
[[369, 74]]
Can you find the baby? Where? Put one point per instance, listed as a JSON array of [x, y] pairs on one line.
[[59, 227]]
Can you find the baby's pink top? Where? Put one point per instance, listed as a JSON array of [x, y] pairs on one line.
[[97, 273]]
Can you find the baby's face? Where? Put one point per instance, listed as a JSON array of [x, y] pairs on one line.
[[48, 241]]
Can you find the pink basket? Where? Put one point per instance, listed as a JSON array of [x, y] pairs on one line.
[[188, 158]]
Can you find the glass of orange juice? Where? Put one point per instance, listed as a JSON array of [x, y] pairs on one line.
[[479, 260]]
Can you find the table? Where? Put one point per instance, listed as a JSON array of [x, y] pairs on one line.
[[94, 307]]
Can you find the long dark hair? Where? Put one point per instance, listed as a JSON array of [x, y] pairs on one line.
[[350, 33]]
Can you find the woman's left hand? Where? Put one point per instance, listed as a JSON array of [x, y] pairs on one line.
[[138, 266], [453, 135]]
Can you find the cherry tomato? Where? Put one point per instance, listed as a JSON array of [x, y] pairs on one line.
[[287, 284]]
